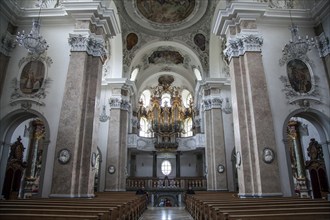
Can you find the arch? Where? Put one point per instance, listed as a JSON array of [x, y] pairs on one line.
[[195, 60], [320, 121], [8, 125]]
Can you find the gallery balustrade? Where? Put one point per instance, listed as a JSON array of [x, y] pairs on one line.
[[154, 183]]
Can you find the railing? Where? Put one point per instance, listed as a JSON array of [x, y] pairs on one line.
[[180, 183]]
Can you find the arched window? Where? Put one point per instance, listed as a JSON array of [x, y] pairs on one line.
[[144, 126], [197, 74], [166, 167], [166, 98], [145, 97], [186, 98], [188, 128], [134, 74]]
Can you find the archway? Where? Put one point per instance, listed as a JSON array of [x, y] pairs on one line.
[[25, 138], [306, 134]]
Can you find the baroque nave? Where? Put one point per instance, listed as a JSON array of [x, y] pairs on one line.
[[116, 95]]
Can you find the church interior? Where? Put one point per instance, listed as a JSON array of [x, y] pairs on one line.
[[106, 97]]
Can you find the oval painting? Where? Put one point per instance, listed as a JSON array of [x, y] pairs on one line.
[[32, 77], [299, 76]]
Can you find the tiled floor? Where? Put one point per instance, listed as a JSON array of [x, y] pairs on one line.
[[166, 213]]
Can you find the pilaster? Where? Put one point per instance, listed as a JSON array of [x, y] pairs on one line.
[[117, 140], [77, 132], [214, 132], [253, 124]]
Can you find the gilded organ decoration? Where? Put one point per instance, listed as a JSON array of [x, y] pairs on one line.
[[165, 116]]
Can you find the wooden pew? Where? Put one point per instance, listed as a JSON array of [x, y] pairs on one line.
[[217, 205], [27, 216], [112, 206], [281, 216]]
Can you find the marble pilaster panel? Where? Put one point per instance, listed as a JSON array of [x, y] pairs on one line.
[[253, 127], [117, 150], [215, 149], [76, 127]]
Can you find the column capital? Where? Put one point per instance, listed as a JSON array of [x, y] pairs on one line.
[[87, 43], [241, 43]]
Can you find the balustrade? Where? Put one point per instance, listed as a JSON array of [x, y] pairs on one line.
[[179, 183]]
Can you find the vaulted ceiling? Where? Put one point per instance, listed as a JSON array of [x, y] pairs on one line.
[[165, 37]]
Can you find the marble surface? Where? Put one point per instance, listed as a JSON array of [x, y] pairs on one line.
[[166, 213]]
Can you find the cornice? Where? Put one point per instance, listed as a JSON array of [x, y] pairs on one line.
[[235, 12]]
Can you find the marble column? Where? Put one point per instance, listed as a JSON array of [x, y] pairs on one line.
[[252, 116], [77, 130], [117, 141], [215, 142]]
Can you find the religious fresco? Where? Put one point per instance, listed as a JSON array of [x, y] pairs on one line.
[[200, 41], [166, 57], [299, 76], [165, 11], [32, 77], [131, 41]]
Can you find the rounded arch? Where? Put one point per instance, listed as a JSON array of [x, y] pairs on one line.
[[179, 46], [8, 125], [321, 123]]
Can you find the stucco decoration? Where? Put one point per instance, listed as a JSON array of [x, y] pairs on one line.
[[32, 83], [212, 102], [8, 43], [300, 84], [241, 43], [131, 40], [133, 22], [93, 46], [117, 103], [166, 57], [323, 45]]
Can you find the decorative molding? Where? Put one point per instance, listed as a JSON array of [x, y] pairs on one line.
[[116, 103], [303, 100], [93, 46], [27, 99], [212, 103], [241, 43], [7, 44], [227, 109], [323, 45]]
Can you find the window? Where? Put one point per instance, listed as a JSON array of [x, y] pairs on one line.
[[197, 74], [166, 167], [134, 74], [166, 99]]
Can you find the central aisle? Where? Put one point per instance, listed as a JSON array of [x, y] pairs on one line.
[[166, 213]]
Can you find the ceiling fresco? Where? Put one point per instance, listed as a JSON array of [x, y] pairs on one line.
[[165, 11]]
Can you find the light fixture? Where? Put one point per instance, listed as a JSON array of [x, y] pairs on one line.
[[33, 42], [297, 46]]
